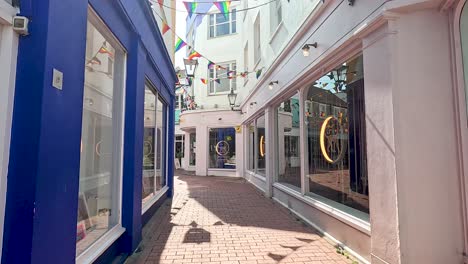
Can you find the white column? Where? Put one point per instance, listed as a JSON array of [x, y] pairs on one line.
[[202, 151], [270, 151]]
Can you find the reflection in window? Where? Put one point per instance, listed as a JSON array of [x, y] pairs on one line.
[[101, 136], [464, 42], [261, 146], [289, 161], [337, 139], [193, 145], [154, 143], [149, 145], [222, 150]]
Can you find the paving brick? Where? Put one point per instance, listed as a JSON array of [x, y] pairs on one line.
[[216, 220]]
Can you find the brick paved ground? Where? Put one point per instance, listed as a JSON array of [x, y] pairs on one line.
[[216, 220]]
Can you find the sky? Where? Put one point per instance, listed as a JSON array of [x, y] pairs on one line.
[[180, 30]]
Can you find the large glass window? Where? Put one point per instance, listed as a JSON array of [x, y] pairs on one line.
[[154, 176], [193, 148], [219, 25], [335, 118], [261, 146], [289, 161], [101, 136], [222, 78], [464, 42], [222, 148]]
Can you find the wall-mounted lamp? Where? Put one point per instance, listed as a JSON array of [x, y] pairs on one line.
[[351, 2], [252, 104], [306, 49], [232, 101], [271, 85]]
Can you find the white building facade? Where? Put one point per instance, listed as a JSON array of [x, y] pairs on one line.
[[364, 138]]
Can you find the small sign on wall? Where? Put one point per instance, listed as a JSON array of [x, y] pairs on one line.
[[238, 129], [57, 79]]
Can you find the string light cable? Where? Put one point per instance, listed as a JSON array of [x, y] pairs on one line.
[[207, 13]]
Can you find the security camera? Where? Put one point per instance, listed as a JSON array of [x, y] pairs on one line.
[[20, 25]]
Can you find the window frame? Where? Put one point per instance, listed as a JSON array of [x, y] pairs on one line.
[[246, 62], [257, 41], [208, 148], [212, 74], [275, 9], [97, 247], [256, 143], [213, 23], [164, 149]]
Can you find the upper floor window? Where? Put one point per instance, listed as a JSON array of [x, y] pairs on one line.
[[219, 78], [276, 15], [178, 104], [220, 25], [246, 62], [257, 48]]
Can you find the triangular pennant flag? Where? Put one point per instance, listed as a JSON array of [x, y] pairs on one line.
[[161, 3], [244, 74], [258, 73], [223, 7], [218, 81], [210, 64], [191, 7], [203, 80], [179, 44], [104, 50], [165, 27], [194, 55]]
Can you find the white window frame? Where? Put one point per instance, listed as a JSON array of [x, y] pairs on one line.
[[213, 83], [276, 15], [212, 19], [257, 41], [256, 143], [105, 241], [246, 62], [158, 194]]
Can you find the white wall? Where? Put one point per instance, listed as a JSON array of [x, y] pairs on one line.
[[8, 54]]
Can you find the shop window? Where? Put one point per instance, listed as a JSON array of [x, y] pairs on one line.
[[288, 131], [99, 196], [464, 42], [261, 146], [335, 118], [222, 78], [193, 146], [154, 176], [219, 25], [222, 148], [251, 147]]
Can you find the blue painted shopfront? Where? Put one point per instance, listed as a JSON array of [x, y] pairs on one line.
[[46, 144]]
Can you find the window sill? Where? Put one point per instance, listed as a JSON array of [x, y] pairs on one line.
[[216, 169], [146, 206], [223, 36], [101, 245], [258, 176], [257, 63], [354, 221]]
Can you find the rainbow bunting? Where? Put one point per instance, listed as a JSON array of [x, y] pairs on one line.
[[95, 61], [244, 74], [203, 80], [218, 81], [258, 73], [223, 7], [161, 3], [179, 44], [194, 55], [191, 7], [165, 27]]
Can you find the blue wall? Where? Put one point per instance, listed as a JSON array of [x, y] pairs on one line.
[[43, 178]]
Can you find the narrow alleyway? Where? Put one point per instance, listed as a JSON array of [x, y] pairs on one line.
[[223, 220]]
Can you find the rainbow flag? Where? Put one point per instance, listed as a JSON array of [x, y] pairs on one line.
[[194, 55], [165, 28], [203, 81], [223, 7], [191, 7], [179, 44], [95, 61]]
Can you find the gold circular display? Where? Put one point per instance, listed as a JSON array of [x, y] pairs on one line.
[[262, 146], [220, 150], [322, 142]]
